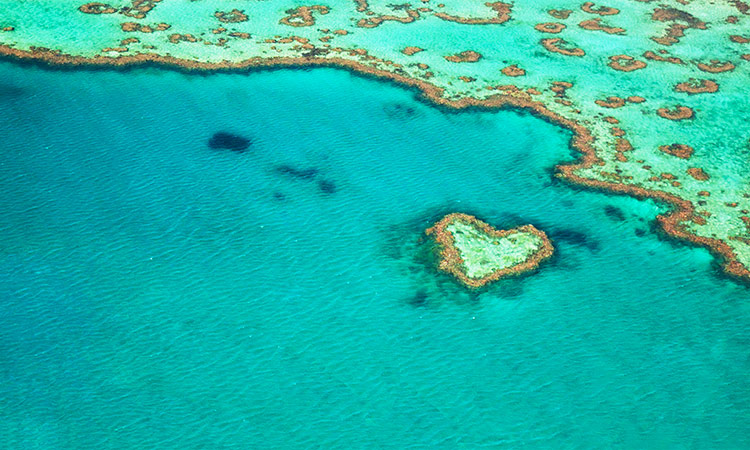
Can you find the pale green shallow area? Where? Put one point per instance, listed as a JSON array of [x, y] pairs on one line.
[[719, 132], [483, 254]]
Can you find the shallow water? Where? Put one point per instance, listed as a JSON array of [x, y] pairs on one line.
[[158, 293]]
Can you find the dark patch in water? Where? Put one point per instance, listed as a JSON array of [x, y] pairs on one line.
[[8, 91], [614, 213], [640, 232], [279, 196], [229, 141], [302, 174], [506, 221], [716, 264], [420, 298], [574, 237], [399, 111], [326, 186]]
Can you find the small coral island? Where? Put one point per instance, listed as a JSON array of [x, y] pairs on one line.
[[477, 254]]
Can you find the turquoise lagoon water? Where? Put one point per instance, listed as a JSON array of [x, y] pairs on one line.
[[157, 293]]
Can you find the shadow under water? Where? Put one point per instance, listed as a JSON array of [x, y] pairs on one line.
[[229, 141]]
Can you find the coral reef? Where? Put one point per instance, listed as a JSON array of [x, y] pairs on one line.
[[302, 16], [620, 135], [477, 254], [558, 45], [465, 56]]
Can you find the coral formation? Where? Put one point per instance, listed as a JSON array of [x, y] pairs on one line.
[[233, 16], [477, 254], [97, 8], [601, 10], [625, 63], [302, 16], [411, 50], [561, 14], [549, 27], [501, 9], [679, 150], [465, 56], [679, 112], [694, 86], [597, 25], [558, 45], [513, 71]]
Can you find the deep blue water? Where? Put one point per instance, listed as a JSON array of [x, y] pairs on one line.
[[158, 293]]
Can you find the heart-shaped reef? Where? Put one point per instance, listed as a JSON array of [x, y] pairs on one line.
[[476, 253]]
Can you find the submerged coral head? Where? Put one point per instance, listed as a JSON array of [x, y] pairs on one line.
[[229, 141]]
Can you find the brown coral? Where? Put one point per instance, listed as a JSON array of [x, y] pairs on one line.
[[450, 257], [302, 16], [611, 102], [625, 63], [469, 56], [670, 59], [679, 150], [233, 16], [177, 38], [549, 27], [698, 173], [675, 31], [716, 66], [408, 51], [597, 25], [677, 113], [97, 8], [561, 14], [138, 9], [602, 10], [502, 10], [372, 22], [513, 71], [555, 45], [694, 86]]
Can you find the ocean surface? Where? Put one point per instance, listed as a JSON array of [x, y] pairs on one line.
[[159, 293]]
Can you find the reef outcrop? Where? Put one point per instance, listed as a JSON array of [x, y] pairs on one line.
[[549, 27], [233, 16], [679, 112], [597, 25], [302, 16], [694, 86], [625, 63], [468, 56], [513, 71], [476, 254], [590, 8], [679, 150], [501, 9], [558, 45]]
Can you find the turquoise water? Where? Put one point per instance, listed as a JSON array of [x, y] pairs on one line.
[[157, 293]]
